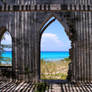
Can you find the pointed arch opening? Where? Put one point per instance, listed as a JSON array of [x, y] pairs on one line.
[[54, 50], [6, 49]]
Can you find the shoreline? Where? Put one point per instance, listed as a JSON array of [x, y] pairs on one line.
[[56, 60]]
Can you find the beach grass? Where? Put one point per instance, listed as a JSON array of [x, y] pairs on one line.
[[1, 64], [6, 60], [54, 70]]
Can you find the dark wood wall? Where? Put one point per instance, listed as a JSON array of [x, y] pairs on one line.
[[25, 29]]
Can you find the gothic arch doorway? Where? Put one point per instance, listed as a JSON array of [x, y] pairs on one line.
[[47, 23]]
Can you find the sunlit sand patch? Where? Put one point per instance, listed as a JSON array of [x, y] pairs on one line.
[[54, 70]]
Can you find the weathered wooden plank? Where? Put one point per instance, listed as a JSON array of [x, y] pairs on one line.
[[19, 86], [9, 87], [45, 7], [22, 87], [13, 89], [81, 55], [90, 63], [82, 51], [4, 85], [30, 87], [27, 86], [72, 86]]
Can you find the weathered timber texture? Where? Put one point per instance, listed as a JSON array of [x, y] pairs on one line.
[[18, 86], [25, 27]]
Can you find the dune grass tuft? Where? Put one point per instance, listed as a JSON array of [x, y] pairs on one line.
[[54, 70]]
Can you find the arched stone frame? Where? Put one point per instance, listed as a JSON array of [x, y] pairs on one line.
[[62, 20]]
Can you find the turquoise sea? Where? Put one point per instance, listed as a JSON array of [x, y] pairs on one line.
[[6, 54], [54, 55], [48, 56]]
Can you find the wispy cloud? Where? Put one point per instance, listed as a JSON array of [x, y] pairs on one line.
[[50, 42], [7, 39]]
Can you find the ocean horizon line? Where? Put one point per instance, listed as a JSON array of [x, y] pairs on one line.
[[6, 51], [42, 51], [54, 51]]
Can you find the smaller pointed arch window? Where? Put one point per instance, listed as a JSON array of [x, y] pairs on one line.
[[6, 50]]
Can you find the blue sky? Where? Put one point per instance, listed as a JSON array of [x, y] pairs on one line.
[[54, 38]]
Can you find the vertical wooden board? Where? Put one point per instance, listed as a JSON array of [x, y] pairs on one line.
[[29, 49], [30, 45], [74, 63], [82, 49], [84, 45], [14, 46], [88, 37], [90, 63], [76, 52], [81, 60], [89, 43], [37, 38], [22, 32], [18, 45], [91, 47]]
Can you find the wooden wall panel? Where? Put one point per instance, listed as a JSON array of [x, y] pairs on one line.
[[25, 26]]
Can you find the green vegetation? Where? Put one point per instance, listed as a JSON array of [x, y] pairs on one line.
[[67, 59], [6, 59], [41, 87], [54, 70]]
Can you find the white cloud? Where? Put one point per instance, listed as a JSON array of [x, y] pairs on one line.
[[51, 36], [50, 42], [7, 39]]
